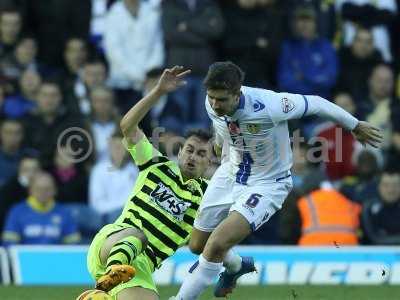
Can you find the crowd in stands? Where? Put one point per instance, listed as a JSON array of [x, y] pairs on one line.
[[74, 64]]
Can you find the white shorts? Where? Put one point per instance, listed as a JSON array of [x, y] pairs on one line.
[[256, 203]]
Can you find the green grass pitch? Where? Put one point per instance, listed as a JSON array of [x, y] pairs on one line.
[[241, 293]]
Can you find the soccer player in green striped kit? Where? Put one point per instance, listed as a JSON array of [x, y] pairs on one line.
[[159, 215]]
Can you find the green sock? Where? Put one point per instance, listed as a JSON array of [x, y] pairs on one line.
[[124, 252]]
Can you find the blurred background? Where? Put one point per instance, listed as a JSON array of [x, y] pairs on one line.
[[69, 69]]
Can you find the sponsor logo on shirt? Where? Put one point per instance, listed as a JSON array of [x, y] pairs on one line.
[[166, 199], [253, 128], [258, 106], [287, 105]]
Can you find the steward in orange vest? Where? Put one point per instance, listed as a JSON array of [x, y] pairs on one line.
[[328, 218]]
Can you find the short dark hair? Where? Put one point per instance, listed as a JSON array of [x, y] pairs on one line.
[[203, 135], [391, 171], [224, 75]]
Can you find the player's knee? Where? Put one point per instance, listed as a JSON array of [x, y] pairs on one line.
[[196, 246], [216, 248], [140, 235]]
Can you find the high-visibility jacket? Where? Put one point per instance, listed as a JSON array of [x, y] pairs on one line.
[[328, 218]]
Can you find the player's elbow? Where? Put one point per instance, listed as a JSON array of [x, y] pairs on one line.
[[126, 128]]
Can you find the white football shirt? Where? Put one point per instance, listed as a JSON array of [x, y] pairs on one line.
[[256, 136]]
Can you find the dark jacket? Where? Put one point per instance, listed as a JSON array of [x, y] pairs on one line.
[[253, 41], [355, 72], [192, 47], [380, 223]]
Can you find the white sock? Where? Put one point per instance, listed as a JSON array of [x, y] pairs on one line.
[[232, 262], [199, 279]]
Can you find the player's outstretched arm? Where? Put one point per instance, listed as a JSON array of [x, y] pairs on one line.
[[170, 80]]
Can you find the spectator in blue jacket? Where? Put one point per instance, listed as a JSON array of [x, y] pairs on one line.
[[308, 64], [39, 219]]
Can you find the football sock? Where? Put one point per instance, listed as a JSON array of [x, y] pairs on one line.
[[201, 275], [124, 251], [232, 262]]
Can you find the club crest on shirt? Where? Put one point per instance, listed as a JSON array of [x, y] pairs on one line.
[[287, 105], [233, 128], [253, 128]]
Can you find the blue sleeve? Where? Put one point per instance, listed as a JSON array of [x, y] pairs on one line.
[[290, 76], [70, 233], [12, 233], [325, 76]]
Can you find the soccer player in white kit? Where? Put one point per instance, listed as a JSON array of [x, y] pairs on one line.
[[254, 179]]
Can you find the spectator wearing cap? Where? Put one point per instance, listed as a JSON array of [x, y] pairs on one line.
[[308, 63], [380, 216]]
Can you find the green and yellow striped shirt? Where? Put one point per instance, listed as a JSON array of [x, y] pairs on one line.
[[162, 204]]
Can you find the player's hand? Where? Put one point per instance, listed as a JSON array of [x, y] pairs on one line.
[[366, 133], [172, 79]]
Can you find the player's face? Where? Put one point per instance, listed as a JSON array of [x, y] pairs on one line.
[[194, 158], [223, 102]]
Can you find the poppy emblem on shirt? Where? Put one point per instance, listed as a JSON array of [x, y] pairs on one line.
[[253, 128], [233, 128], [287, 105]]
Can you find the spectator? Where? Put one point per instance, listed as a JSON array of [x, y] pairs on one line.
[[380, 217], [325, 15], [374, 15], [131, 58], [110, 181], [253, 39], [94, 73], [48, 122], [357, 62], [16, 188], [362, 185], [11, 136], [103, 121], [328, 218], [39, 219], [308, 64], [75, 55], [23, 103], [10, 29], [190, 28], [393, 154], [339, 145], [23, 58], [71, 181], [377, 108], [53, 23]]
